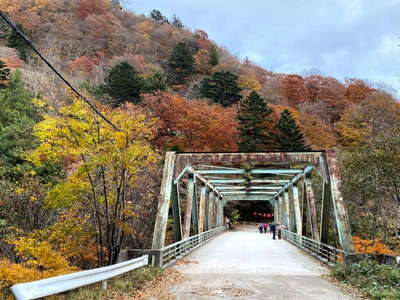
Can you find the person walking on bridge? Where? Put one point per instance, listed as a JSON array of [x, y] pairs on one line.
[[272, 227], [265, 227], [278, 228], [260, 228]]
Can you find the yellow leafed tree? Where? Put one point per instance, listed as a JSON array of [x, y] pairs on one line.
[[38, 261], [103, 165]]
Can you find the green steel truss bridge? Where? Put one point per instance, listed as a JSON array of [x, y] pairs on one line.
[[196, 186]]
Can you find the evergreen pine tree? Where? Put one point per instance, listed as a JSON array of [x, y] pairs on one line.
[[214, 56], [15, 41], [177, 22], [157, 16], [181, 64], [252, 116], [17, 117], [289, 137], [123, 84], [222, 87], [156, 82]]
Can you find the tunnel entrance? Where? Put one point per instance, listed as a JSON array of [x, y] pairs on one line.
[[250, 211]]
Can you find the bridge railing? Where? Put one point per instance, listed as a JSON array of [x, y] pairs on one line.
[[324, 252], [169, 254], [59, 284]]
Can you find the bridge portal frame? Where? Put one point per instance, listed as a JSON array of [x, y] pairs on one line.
[[289, 205]]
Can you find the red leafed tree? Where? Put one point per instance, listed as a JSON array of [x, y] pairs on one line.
[[89, 7], [192, 125], [324, 88], [357, 90], [85, 64], [329, 92], [294, 90]]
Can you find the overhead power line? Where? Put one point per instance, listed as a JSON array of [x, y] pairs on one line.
[[30, 44]]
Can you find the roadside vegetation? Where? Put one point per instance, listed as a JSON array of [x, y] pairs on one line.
[[129, 284], [376, 281]]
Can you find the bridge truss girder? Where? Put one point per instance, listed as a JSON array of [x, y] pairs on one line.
[[209, 186]]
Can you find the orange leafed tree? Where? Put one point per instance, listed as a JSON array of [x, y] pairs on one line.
[[192, 125], [88, 7], [357, 90], [367, 119], [84, 64], [294, 90]]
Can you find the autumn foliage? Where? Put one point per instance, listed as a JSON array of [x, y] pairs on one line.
[[192, 125], [38, 261], [371, 246], [79, 190], [294, 89], [88, 7], [85, 64]]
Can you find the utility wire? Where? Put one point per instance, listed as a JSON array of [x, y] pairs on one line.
[[28, 41]]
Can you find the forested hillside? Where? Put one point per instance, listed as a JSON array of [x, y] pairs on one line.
[[66, 173], [86, 39]]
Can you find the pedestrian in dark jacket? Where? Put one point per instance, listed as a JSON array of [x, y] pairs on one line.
[[260, 228], [272, 227]]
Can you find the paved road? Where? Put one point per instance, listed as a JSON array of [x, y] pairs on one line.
[[247, 265]]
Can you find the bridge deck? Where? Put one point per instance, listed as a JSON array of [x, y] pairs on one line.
[[247, 265]]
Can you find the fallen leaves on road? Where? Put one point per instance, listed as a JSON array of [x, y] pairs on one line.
[[184, 261], [224, 291], [158, 288]]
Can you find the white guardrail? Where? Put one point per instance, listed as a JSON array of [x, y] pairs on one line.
[[63, 283]]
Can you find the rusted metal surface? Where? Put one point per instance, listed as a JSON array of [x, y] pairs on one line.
[[248, 198], [160, 226], [206, 210], [202, 207], [292, 215], [341, 216], [254, 171], [195, 212], [280, 209], [315, 159], [297, 210], [176, 212], [286, 210], [325, 213], [188, 208], [312, 210], [210, 208], [217, 211]]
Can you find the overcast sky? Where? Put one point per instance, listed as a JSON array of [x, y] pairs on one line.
[[341, 38]]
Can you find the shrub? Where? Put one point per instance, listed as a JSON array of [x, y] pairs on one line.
[[376, 281], [38, 261]]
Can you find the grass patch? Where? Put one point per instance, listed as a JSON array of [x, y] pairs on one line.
[[125, 284], [374, 280]]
